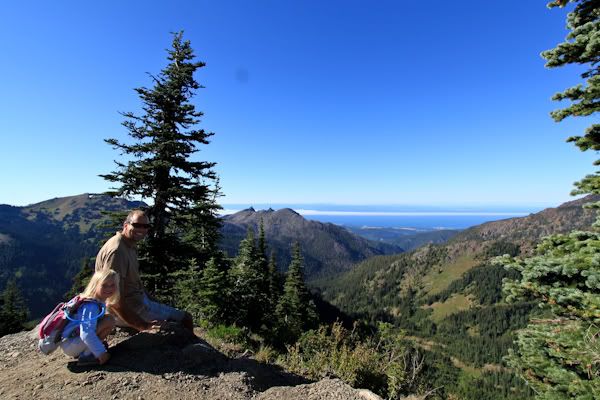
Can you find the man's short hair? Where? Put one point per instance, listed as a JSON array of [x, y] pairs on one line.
[[134, 213]]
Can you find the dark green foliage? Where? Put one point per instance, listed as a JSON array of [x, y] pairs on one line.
[[559, 355], [81, 279], [213, 295], [42, 254], [13, 311], [493, 385], [248, 297], [183, 210], [360, 291], [275, 283], [500, 248], [295, 311], [581, 48], [205, 293]]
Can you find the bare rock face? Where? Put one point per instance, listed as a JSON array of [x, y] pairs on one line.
[[168, 364]]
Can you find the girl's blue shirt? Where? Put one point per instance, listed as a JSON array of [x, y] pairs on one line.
[[87, 321]]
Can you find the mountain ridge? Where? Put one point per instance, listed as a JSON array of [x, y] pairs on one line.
[[327, 248]]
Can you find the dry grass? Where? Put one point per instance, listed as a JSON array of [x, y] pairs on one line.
[[440, 277], [456, 303]]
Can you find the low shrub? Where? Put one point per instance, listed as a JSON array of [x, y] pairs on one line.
[[384, 363]]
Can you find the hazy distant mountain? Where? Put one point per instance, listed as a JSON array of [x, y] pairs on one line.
[[326, 248], [405, 238]]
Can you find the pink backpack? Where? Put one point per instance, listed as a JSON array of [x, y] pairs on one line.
[[51, 328]]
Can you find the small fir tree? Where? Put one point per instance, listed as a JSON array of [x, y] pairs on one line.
[[214, 292], [295, 310], [246, 281], [13, 311]]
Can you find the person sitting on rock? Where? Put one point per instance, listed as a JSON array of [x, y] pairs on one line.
[[135, 309], [86, 330]]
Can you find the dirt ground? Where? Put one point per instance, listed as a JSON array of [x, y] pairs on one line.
[[172, 364]]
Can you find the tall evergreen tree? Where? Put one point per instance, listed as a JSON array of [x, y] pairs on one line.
[[163, 138], [262, 265], [558, 354], [581, 47], [245, 280], [274, 283], [13, 311], [295, 310], [261, 251]]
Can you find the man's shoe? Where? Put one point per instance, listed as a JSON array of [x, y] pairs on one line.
[[87, 360]]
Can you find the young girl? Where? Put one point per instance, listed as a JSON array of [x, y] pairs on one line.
[[86, 344]]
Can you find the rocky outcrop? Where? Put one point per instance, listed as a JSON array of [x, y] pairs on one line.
[[169, 364]]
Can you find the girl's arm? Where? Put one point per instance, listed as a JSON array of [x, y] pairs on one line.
[[87, 328]]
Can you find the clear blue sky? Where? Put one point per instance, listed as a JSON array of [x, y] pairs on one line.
[[350, 102]]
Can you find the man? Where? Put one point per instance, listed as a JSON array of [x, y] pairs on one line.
[[134, 308]]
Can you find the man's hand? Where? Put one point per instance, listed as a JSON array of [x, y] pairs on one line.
[[104, 357], [155, 325]]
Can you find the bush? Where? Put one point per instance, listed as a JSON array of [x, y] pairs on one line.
[[385, 364]]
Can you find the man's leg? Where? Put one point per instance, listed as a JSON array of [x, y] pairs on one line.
[[155, 311]]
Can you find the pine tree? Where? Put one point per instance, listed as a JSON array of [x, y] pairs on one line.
[[13, 311], [203, 227], [274, 283], [261, 253], [214, 289], [581, 47], [295, 311], [246, 281], [164, 137], [262, 265], [558, 353]]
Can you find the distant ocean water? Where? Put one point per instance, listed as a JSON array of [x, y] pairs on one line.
[[420, 222], [419, 218]]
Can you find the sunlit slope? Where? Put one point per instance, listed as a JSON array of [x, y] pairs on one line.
[[376, 286]]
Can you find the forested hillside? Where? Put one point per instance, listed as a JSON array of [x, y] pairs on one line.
[[44, 245], [449, 297]]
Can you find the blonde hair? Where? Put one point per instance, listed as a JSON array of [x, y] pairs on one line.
[[97, 279]]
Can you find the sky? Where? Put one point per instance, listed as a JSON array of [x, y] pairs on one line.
[[329, 102]]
